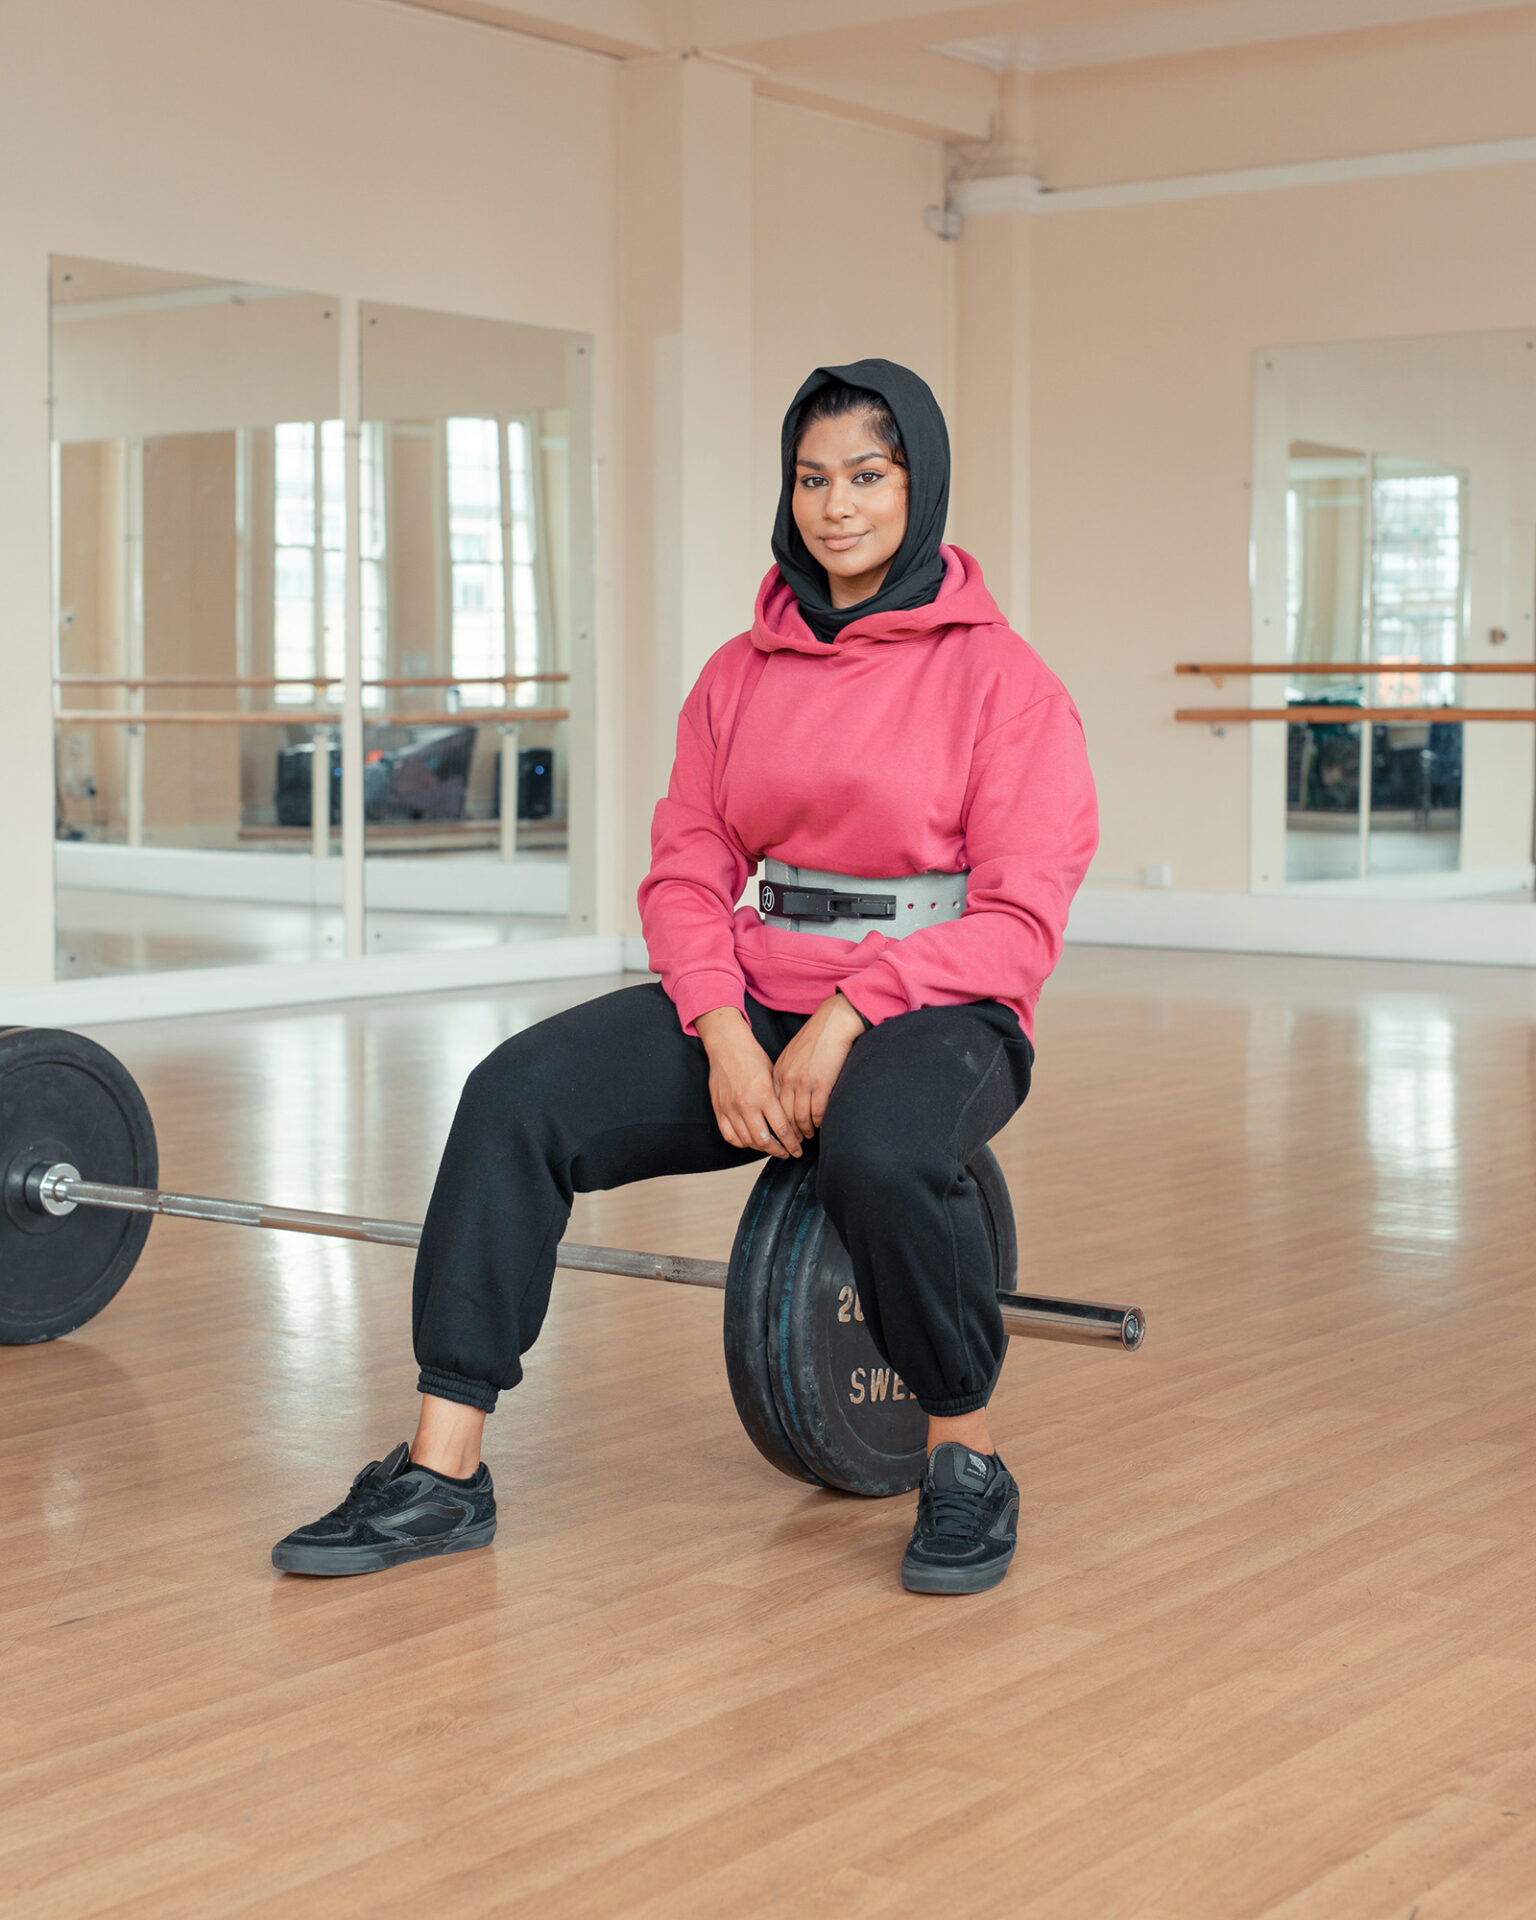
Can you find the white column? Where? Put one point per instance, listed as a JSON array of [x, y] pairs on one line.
[[1368, 652], [594, 734], [693, 554], [320, 766], [320, 794], [506, 771], [508, 619], [990, 503], [1266, 745], [990, 506], [133, 628], [352, 841]]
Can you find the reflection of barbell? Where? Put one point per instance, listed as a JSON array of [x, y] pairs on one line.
[[812, 1390]]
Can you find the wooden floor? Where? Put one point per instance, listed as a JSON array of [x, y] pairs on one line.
[[1268, 1649]]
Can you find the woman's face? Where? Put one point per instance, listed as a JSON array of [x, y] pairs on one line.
[[850, 504]]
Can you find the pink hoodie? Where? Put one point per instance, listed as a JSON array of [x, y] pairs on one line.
[[929, 740]]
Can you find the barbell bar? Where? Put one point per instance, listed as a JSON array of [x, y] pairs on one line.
[[60, 1188]]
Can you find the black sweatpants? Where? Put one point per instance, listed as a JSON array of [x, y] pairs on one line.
[[613, 1090]]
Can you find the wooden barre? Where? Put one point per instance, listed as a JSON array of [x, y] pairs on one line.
[[464, 680], [1376, 669], [306, 717], [1350, 716], [320, 680]]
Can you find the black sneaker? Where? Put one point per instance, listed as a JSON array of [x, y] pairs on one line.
[[967, 1523], [394, 1512]]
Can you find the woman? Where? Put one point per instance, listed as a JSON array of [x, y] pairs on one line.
[[879, 726]]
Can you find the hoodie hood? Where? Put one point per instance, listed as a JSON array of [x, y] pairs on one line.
[[963, 600], [916, 571]]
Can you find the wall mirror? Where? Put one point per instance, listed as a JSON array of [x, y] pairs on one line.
[[184, 565], [1394, 571], [475, 532], [209, 575]]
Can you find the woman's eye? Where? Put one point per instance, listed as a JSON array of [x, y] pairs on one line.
[[869, 474], [811, 480]]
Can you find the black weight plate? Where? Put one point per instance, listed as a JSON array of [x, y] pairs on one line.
[[65, 1098], [848, 1415], [997, 1207], [847, 1412], [747, 1287]]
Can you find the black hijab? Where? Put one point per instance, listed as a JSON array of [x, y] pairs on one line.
[[916, 571]]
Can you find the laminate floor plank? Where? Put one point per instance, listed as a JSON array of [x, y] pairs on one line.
[[1268, 1651]]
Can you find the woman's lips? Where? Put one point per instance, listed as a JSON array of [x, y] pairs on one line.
[[841, 542]]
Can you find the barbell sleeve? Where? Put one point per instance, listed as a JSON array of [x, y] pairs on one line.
[[1081, 1322], [60, 1189]]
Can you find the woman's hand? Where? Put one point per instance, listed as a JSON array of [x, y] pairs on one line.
[[806, 1071], [741, 1087]]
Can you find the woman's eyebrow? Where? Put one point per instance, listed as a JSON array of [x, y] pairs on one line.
[[858, 460]]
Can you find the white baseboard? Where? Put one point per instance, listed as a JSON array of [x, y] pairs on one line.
[[159, 996], [636, 959], [534, 882], [1471, 884], [1462, 932]]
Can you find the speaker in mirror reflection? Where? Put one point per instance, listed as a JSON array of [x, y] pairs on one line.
[[1395, 560], [475, 540]]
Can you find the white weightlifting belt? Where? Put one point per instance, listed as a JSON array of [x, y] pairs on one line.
[[917, 900]]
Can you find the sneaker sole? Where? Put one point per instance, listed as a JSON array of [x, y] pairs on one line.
[[917, 1577], [335, 1562]]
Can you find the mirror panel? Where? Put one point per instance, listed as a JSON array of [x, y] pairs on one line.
[[470, 505], [199, 558], [1408, 558]]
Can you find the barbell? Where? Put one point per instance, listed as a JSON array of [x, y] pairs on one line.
[[79, 1169]]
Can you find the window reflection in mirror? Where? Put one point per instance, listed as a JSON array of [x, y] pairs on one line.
[[1375, 579], [199, 548], [468, 431]]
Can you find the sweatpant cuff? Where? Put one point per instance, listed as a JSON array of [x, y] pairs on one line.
[[952, 1409], [454, 1386]]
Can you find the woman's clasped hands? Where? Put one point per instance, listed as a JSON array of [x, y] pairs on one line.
[[773, 1106]]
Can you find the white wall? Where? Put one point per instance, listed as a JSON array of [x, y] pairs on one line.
[[844, 268], [1145, 321], [344, 146]]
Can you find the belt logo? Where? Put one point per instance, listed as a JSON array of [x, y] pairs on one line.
[[767, 896]]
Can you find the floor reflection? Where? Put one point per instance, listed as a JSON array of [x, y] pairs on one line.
[[1410, 1098], [101, 931]]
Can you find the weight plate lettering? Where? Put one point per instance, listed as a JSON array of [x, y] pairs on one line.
[[849, 1415]]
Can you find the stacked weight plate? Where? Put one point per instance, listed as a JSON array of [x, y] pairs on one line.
[[813, 1392]]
